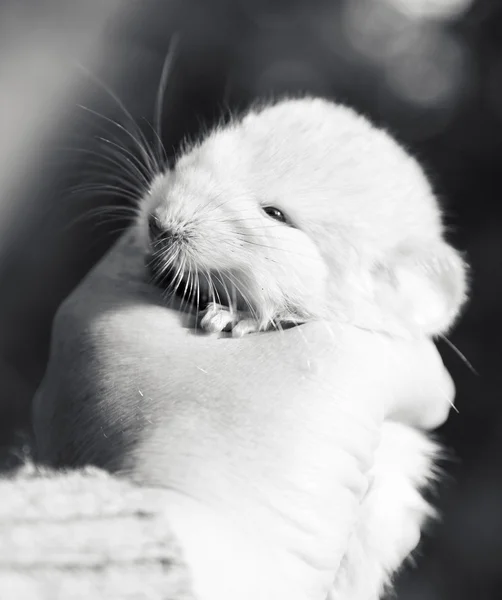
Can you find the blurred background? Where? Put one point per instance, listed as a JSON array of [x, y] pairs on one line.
[[430, 71]]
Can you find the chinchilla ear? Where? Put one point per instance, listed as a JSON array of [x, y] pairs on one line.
[[425, 287]]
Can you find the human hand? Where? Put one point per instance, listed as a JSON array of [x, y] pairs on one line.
[[264, 444]]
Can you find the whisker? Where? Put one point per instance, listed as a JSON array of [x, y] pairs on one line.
[[237, 283], [149, 161], [186, 295], [212, 289], [166, 71], [111, 212], [287, 250], [104, 158], [117, 142], [143, 145], [197, 291], [462, 357], [162, 159], [104, 187], [225, 288], [113, 158], [133, 161], [94, 175]]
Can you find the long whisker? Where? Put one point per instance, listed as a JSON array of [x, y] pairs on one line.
[[94, 168], [109, 212], [162, 159], [143, 146], [197, 296], [166, 71], [133, 161], [116, 184], [109, 190], [113, 160], [123, 152], [187, 273], [287, 250], [121, 186], [212, 288], [145, 152], [166, 261], [462, 357], [247, 300], [225, 288]]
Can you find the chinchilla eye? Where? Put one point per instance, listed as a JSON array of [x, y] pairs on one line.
[[275, 213]]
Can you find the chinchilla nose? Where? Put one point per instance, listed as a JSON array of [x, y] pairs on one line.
[[156, 232], [162, 234]]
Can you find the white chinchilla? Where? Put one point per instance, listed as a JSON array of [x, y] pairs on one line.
[[303, 210]]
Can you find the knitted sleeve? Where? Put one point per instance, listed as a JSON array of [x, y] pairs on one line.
[[85, 535]]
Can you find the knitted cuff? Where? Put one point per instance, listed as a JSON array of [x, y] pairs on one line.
[[86, 535]]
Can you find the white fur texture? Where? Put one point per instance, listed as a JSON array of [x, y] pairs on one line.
[[392, 514], [363, 243]]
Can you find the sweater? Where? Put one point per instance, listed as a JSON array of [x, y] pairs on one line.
[[85, 535]]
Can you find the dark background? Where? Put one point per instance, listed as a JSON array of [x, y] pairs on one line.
[[434, 80]]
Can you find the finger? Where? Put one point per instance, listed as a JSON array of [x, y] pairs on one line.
[[408, 375], [424, 391]]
